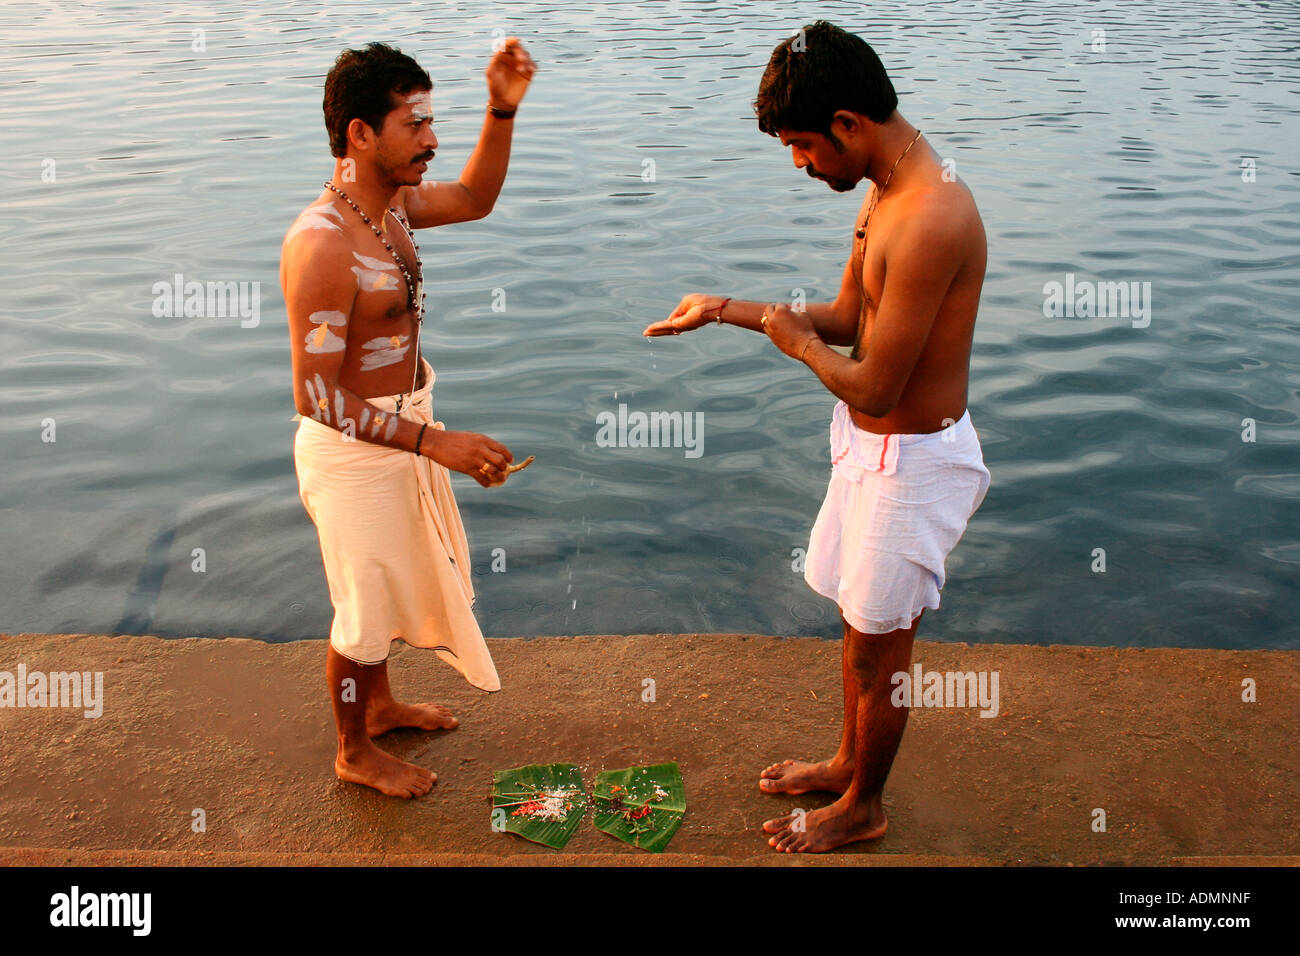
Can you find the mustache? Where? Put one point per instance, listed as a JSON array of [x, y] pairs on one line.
[[421, 159], [839, 185]]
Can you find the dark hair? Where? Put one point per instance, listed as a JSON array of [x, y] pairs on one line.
[[360, 86], [817, 71]]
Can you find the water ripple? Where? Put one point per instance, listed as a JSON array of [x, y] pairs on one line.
[[1157, 150]]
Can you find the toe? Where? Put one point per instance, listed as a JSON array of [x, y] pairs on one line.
[[776, 824], [778, 841]]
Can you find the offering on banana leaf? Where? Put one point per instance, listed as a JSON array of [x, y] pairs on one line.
[[642, 806], [543, 803]]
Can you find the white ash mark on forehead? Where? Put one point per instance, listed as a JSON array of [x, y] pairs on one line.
[[421, 105]]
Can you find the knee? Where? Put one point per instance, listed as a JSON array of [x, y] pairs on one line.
[[868, 667], [874, 658]]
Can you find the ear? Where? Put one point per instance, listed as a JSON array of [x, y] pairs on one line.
[[360, 133], [849, 123]]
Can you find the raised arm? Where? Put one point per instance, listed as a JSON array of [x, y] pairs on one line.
[[473, 195]]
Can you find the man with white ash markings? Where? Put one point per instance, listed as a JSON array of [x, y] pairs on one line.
[[372, 464]]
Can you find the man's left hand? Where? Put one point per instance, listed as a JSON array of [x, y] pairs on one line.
[[508, 74], [789, 330]]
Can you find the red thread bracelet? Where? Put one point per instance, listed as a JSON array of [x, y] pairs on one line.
[[720, 308]]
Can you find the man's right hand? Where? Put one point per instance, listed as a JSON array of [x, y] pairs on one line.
[[692, 312], [468, 452]]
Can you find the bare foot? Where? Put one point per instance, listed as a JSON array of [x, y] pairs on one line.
[[792, 776], [392, 715], [372, 767], [820, 830]]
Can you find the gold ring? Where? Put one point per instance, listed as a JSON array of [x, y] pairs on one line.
[[484, 467], [763, 320]]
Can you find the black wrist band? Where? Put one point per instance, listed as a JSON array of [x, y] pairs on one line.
[[502, 114], [421, 438]]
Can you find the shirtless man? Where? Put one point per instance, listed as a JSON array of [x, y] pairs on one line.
[[351, 278], [907, 471]]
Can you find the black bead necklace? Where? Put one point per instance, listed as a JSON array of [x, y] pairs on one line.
[[414, 288]]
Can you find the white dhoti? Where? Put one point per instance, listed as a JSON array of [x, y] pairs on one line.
[[895, 507], [392, 542]]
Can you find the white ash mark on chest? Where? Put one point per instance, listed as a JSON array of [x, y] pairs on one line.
[[384, 350]]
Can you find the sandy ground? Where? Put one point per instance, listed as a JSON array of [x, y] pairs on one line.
[[1159, 739]]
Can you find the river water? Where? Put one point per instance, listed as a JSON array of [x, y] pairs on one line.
[[1148, 143]]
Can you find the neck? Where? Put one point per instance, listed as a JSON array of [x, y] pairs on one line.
[[372, 195], [893, 138]]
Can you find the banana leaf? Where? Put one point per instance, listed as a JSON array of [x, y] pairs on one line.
[[542, 803], [642, 806]]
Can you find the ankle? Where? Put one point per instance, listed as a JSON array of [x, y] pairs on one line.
[[351, 748], [865, 808], [374, 707]]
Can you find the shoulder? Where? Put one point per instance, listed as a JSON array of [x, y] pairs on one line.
[[320, 225], [321, 220], [418, 202], [317, 251], [936, 231], [410, 195], [939, 215]]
